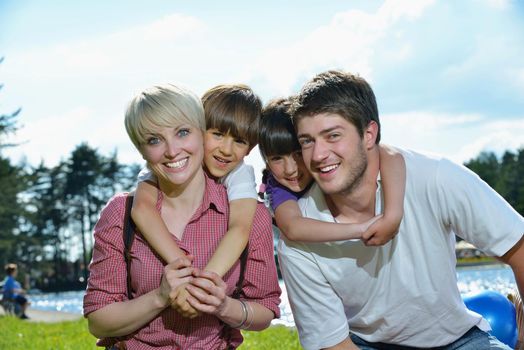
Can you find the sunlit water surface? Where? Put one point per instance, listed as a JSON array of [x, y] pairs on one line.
[[471, 279]]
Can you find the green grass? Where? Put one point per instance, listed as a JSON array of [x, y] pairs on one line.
[[482, 260], [16, 334], [276, 337]]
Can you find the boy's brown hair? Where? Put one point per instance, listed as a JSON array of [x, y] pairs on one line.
[[233, 109]]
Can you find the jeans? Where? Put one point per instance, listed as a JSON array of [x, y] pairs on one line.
[[474, 339]]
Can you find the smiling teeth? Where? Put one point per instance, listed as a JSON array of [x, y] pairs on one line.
[[178, 164], [222, 160], [328, 168]]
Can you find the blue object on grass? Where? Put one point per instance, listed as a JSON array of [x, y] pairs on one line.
[[499, 311]]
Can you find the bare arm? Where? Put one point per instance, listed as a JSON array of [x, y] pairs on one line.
[[241, 214], [19, 290], [346, 344], [155, 231], [515, 258], [125, 317], [295, 227], [393, 174], [258, 318], [208, 295], [150, 223]]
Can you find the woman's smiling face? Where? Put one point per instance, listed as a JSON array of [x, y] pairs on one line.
[[174, 154]]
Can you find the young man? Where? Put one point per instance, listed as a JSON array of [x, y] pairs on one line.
[[402, 294]]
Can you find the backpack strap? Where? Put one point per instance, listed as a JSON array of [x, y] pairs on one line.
[[240, 282], [129, 236]]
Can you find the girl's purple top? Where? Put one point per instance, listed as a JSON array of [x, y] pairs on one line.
[[278, 193]]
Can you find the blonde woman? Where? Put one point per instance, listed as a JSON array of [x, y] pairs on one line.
[[166, 124]]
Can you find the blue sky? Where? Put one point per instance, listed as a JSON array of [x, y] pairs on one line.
[[448, 75]]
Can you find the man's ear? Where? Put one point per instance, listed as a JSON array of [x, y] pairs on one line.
[[370, 134]]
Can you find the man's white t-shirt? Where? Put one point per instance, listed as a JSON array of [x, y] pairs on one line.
[[404, 292], [240, 182]]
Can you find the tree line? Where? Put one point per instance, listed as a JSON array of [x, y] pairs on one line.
[[504, 174], [46, 213]]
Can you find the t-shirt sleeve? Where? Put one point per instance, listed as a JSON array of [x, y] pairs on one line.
[[475, 211], [278, 194], [240, 183], [146, 175]]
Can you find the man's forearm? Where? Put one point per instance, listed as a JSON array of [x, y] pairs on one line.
[[346, 344], [515, 259]]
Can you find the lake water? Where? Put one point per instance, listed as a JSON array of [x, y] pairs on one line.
[[470, 279]]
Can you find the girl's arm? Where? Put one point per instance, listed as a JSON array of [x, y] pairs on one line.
[[295, 227], [155, 231], [393, 175], [150, 223], [241, 214]]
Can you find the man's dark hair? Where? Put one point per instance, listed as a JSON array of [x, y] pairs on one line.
[[338, 92]]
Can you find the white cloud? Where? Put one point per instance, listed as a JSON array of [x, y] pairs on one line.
[[349, 41], [77, 91], [48, 137], [460, 137], [394, 10], [496, 141], [81, 87], [518, 79], [498, 4], [113, 52], [417, 121], [167, 29]]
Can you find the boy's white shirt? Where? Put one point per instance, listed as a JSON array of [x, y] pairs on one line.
[[240, 183]]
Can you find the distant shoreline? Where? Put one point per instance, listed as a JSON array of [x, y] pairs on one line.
[[473, 262], [48, 316]]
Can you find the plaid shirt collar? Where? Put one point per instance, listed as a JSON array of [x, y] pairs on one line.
[[215, 198]]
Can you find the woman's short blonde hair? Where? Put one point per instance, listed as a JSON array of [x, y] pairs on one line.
[[164, 105]]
